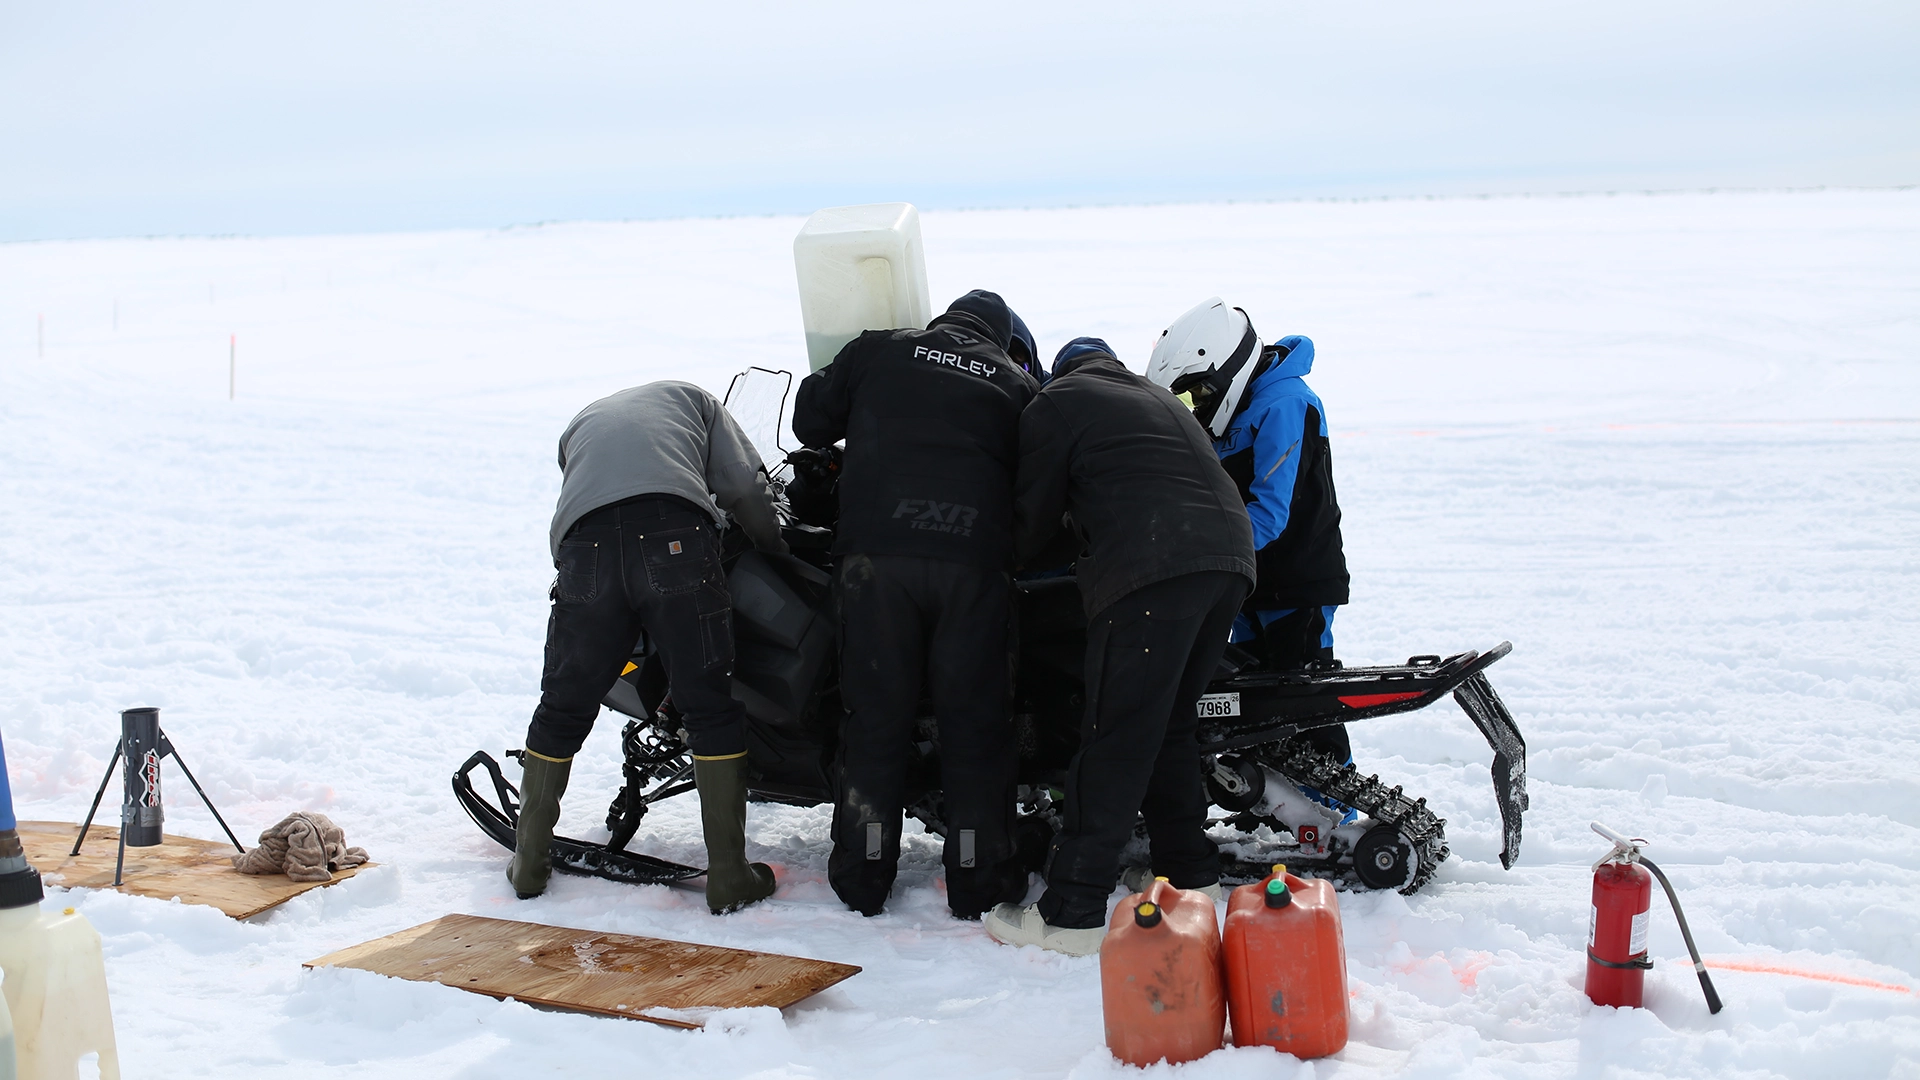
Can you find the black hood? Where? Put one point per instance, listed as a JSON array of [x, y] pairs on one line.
[[983, 312], [1079, 351], [1023, 342]]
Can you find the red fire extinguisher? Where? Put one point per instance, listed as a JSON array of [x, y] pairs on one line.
[[1617, 959]]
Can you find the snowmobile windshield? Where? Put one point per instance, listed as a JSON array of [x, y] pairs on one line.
[[757, 398]]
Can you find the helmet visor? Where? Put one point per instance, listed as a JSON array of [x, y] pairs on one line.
[[1206, 398], [1192, 380]]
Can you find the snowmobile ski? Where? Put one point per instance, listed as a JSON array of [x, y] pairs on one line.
[[569, 855]]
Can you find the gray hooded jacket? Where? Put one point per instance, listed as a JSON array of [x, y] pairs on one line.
[[666, 438]]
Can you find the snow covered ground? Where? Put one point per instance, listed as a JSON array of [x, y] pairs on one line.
[[1668, 445]]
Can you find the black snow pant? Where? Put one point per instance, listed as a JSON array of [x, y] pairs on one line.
[[652, 564], [906, 621], [1293, 641], [1150, 655]]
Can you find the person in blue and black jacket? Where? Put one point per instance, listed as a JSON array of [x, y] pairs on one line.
[[1270, 431]]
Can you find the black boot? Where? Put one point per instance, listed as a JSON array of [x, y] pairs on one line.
[[973, 893], [541, 785], [732, 882]]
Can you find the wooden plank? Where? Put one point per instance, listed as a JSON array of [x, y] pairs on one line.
[[589, 971], [196, 871]]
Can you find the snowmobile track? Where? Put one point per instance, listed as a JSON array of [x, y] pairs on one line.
[[1412, 828]]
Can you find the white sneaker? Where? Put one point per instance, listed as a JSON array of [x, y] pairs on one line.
[[1137, 878], [1011, 924]]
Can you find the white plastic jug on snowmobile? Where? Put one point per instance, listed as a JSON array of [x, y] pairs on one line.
[[860, 268]]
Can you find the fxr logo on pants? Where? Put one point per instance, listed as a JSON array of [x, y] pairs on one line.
[[931, 516]]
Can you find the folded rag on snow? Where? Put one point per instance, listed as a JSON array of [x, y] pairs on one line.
[[309, 847]]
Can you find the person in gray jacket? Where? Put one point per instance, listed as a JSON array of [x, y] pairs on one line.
[[645, 474]]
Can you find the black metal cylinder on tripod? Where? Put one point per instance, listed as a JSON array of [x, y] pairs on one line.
[[141, 813]]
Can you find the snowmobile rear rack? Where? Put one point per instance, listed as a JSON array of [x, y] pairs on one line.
[[1282, 704], [572, 856], [1305, 698]]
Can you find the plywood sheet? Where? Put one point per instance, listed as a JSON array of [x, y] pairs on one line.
[[196, 871], [589, 971]]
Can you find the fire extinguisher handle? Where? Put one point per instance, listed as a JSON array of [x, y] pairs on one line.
[[1699, 966], [1609, 834]]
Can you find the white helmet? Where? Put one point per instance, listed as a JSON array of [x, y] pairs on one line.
[[1212, 352]]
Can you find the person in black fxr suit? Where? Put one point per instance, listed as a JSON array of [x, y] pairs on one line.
[[925, 540]]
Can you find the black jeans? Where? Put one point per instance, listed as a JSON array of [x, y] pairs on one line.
[[649, 564], [908, 621], [1150, 655]]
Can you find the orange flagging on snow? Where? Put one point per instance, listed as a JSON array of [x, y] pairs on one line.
[[1805, 973]]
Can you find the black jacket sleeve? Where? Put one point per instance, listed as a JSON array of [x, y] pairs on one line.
[[825, 400], [1040, 485]]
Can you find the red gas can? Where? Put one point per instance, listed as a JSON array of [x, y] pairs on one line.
[[1617, 934], [1160, 977], [1286, 966]]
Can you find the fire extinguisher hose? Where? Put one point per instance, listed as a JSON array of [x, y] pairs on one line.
[[1699, 966]]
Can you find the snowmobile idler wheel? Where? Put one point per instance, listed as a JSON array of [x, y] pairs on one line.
[[1383, 858], [1236, 784]]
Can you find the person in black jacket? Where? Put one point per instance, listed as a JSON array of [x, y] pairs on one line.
[[924, 544], [1167, 558]]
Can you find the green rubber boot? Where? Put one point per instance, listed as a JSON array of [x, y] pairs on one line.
[[541, 786], [732, 882]]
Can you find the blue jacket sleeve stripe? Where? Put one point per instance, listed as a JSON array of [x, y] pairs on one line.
[[1276, 463]]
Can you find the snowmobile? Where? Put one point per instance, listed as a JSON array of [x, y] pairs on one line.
[[1279, 799]]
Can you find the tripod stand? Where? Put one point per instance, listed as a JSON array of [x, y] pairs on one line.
[[144, 746]]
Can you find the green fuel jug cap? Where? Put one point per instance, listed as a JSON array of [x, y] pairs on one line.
[[1277, 893]]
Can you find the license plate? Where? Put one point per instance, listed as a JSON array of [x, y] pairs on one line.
[[1211, 706]]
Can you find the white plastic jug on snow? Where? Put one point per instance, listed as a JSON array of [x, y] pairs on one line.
[[56, 979], [7, 1071], [860, 268]]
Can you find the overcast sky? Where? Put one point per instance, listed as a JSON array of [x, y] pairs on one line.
[[227, 117]]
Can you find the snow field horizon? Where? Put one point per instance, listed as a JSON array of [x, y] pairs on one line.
[[1668, 445]]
